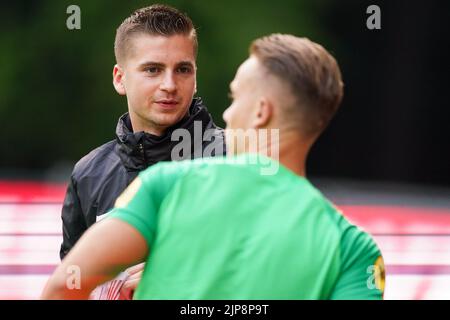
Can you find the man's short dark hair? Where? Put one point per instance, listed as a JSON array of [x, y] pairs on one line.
[[157, 19], [310, 72]]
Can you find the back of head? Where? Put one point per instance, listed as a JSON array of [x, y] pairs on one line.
[[310, 73], [156, 20]]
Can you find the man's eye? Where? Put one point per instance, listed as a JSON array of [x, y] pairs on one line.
[[152, 70], [184, 70]]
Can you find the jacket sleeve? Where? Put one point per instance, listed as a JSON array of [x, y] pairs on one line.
[[73, 222]]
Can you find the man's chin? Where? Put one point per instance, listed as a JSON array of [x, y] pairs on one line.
[[165, 121]]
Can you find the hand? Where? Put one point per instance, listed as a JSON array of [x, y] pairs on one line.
[[131, 283]]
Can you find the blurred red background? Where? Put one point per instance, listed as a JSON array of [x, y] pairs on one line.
[[414, 239]]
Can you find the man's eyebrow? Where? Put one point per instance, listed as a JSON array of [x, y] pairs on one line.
[[162, 65], [185, 64], [152, 64]]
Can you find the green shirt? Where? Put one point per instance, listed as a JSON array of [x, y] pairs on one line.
[[219, 229]]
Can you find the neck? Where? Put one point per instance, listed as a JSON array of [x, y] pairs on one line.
[[156, 131], [293, 156], [290, 150]]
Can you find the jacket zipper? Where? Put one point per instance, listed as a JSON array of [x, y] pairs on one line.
[[141, 149]]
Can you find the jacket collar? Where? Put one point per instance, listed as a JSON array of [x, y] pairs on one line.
[[138, 150]]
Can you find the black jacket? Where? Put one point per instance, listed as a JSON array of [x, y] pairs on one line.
[[101, 176]]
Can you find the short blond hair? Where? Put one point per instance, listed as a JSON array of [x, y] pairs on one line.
[[312, 74]]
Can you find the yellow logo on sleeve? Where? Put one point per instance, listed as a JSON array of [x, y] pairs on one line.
[[128, 194], [377, 275], [380, 274]]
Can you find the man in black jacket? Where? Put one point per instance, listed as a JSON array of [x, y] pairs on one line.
[[155, 50]]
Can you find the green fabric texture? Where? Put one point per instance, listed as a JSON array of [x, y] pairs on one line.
[[219, 229]]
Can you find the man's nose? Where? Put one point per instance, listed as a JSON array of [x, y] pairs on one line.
[[168, 83]]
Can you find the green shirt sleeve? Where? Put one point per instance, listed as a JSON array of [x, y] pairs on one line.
[[139, 204], [362, 268]]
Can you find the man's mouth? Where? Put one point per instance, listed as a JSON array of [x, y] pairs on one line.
[[167, 103]]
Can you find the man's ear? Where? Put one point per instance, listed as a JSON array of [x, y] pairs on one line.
[[118, 80], [264, 113]]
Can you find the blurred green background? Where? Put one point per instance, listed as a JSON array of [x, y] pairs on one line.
[[57, 101], [56, 90]]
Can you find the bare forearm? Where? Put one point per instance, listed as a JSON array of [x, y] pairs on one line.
[[54, 291], [68, 282], [105, 249]]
